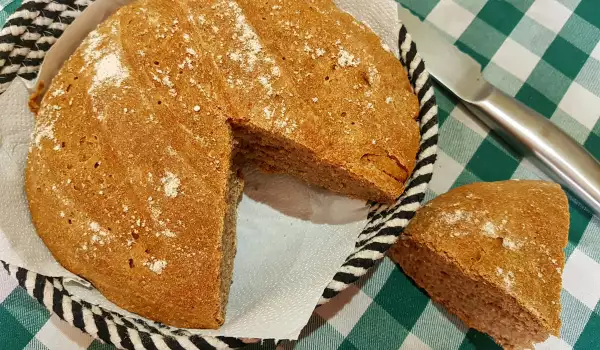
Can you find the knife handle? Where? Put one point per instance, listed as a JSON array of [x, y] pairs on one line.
[[555, 152]]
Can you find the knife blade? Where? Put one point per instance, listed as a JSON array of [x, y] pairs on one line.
[[550, 148]]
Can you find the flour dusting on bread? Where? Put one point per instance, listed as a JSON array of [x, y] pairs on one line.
[[109, 70], [171, 184], [156, 266]]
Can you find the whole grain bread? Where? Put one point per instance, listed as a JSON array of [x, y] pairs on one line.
[[131, 178], [492, 253]]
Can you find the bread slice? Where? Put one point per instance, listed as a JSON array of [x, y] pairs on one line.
[[131, 178], [492, 253]]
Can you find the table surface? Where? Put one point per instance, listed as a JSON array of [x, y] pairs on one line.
[[546, 53]]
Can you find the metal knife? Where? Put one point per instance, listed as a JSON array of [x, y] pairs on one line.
[[551, 149]]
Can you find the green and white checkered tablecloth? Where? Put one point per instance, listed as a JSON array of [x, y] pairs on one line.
[[546, 53]]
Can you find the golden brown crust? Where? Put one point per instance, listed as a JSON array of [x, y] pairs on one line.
[[508, 236], [35, 98], [129, 175]]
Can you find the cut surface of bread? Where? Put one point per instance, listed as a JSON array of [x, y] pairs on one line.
[[492, 253], [131, 178]]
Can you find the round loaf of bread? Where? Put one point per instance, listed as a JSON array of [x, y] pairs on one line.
[[131, 178]]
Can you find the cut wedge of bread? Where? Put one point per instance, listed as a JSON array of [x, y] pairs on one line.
[[492, 253]]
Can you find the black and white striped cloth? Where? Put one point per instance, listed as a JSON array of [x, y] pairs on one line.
[[28, 35], [30, 32]]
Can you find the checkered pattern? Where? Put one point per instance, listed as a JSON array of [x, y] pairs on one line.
[[546, 53], [7, 7]]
